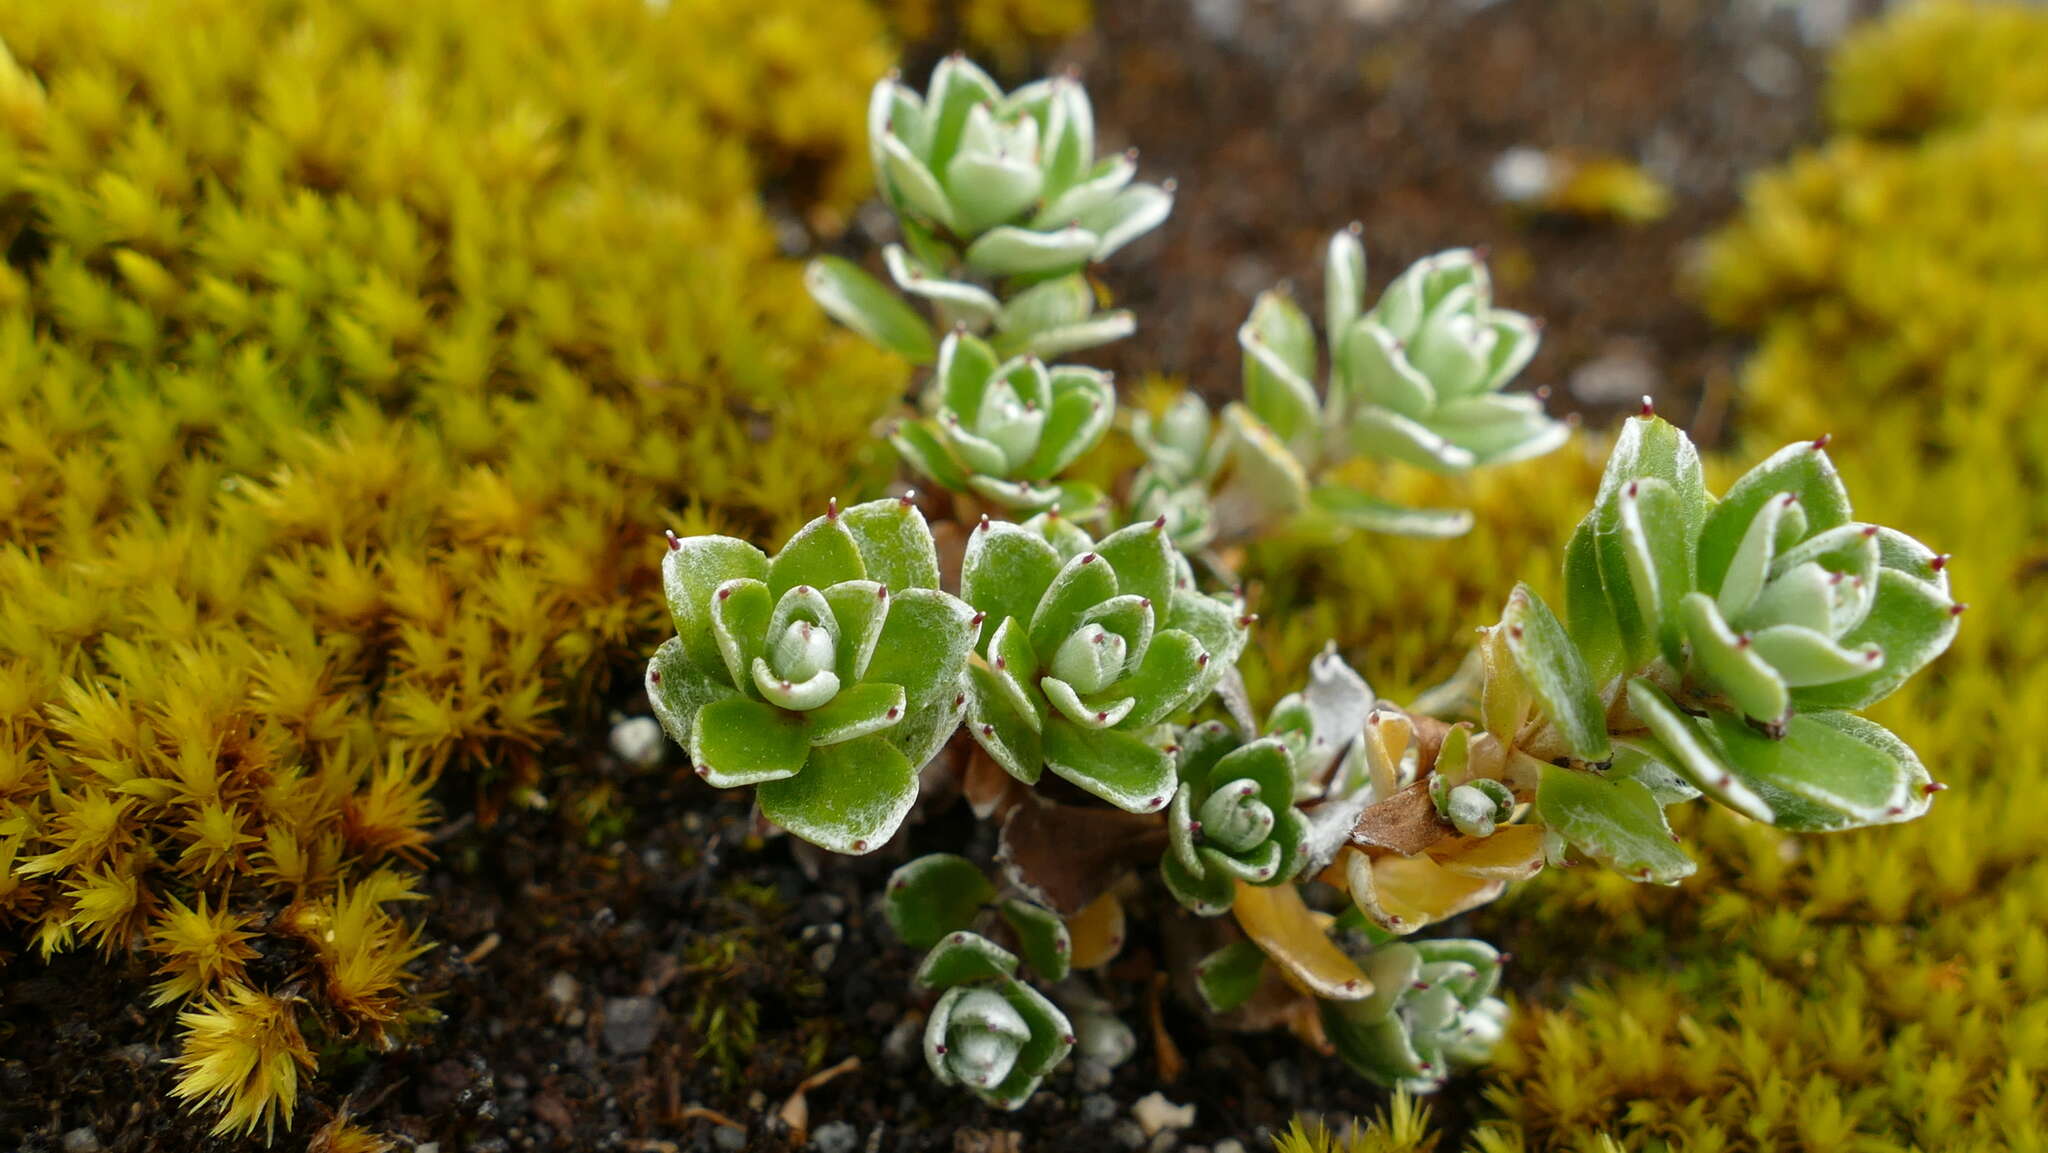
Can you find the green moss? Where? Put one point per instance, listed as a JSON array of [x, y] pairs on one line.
[[353, 356]]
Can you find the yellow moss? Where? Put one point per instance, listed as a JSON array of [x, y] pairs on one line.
[[1005, 31]]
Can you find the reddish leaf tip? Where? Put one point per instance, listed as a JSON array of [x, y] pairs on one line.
[[1958, 609], [1648, 410], [675, 543], [1821, 441], [893, 713], [832, 508], [654, 677], [978, 618], [1087, 558], [1939, 562], [724, 593]]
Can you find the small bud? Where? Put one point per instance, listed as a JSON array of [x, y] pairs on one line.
[[1648, 410], [983, 527], [675, 543], [908, 498]]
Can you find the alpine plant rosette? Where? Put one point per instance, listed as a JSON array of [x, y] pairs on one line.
[[825, 676], [1086, 647], [1002, 203], [1004, 430]]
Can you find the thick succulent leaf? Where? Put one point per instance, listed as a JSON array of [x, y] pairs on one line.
[[1097, 931], [1221, 628], [740, 614], [957, 87], [1041, 938], [1589, 616], [1228, 977], [1852, 771], [1803, 657], [737, 742], [1779, 520], [1499, 429], [966, 368], [1086, 196], [893, 109], [1203, 893], [1689, 749], [990, 188], [1279, 370], [1142, 558], [677, 690], [1130, 214], [1512, 853], [1096, 711], [1052, 1037], [691, 572], [1801, 469], [935, 895], [1005, 573], [1731, 662], [1047, 305], [1070, 134], [1515, 339], [924, 644], [1010, 251], [1615, 822], [920, 445], [1062, 339], [1288, 933], [1132, 618], [821, 553], [1403, 894], [856, 711], [1556, 674], [1083, 404], [1647, 449], [1008, 735], [1505, 699], [970, 303], [859, 608], [1910, 621], [1258, 866], [1117, 766], [1637, 760], [961, 957], [1010, 672], [1343, 283], [1377, 1047], [1264, 763], [1266, 481], [851, 798], [1375, 371], [1658, 556], [861, 303], [1356, 510], [924, 731], [1909, 557], [1015, 496], [1378, 431], [1082, 583], [1167, 680]]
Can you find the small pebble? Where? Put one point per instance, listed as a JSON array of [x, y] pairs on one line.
[[1229, 1145], [1098, 1109], [1090, 1076], [638, 741], [730, 1140], [1157, 1115], [82, 1140], [905, 1043], [835, 1137], [1128, 1133], [562, 989], [630, 1024]]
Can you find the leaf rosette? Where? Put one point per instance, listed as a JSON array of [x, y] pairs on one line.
[[825, 676]]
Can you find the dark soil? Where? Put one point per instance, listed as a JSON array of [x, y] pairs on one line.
[[644, 899]]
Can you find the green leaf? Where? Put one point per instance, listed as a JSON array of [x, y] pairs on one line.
[[1010, 251], [1375, 372], [1083, 404], [677, 691], [919, 444], [924, 731], [1910, 621], [856, 711], [690, 575], [1100, 187], [1228, 977], [1780, 520], [1084, 582], [1052, 1037], [1063, 339], [1048, 305], [1658, 557], [1166, 679], [1205, 894], [1001, 729], [1041, 937], [934, 895], [1005, 573], [738, 742], [957, 87], [1497, 428], [1688, 748], [1221, 628], [860, 609], [822, 553], [1117, 766], [740, 614], [1616, 822], [1280, 368], [895, 543], [962, 957], [1731, 663], [1356, 510], [988, 189], [863, 304], [1647, 449], [1556, 674], [1854, 771], [1378, 431], [1130, 214], [1142, 558], [1589, 617], [1803, 657], [1343, 284], [1515, 339], [1801, 469], [851, 798], [966, 368], [916, 187], [924, 644], [957, 299]]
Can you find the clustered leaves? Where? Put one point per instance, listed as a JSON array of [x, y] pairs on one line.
[[1708, 645]]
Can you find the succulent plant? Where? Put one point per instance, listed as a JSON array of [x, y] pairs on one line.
[[1432, 1010], [1086, 647], [825, 676], [992, 189], [989, 1031], [1005, 430], [1416, 379], [1233, 818]]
